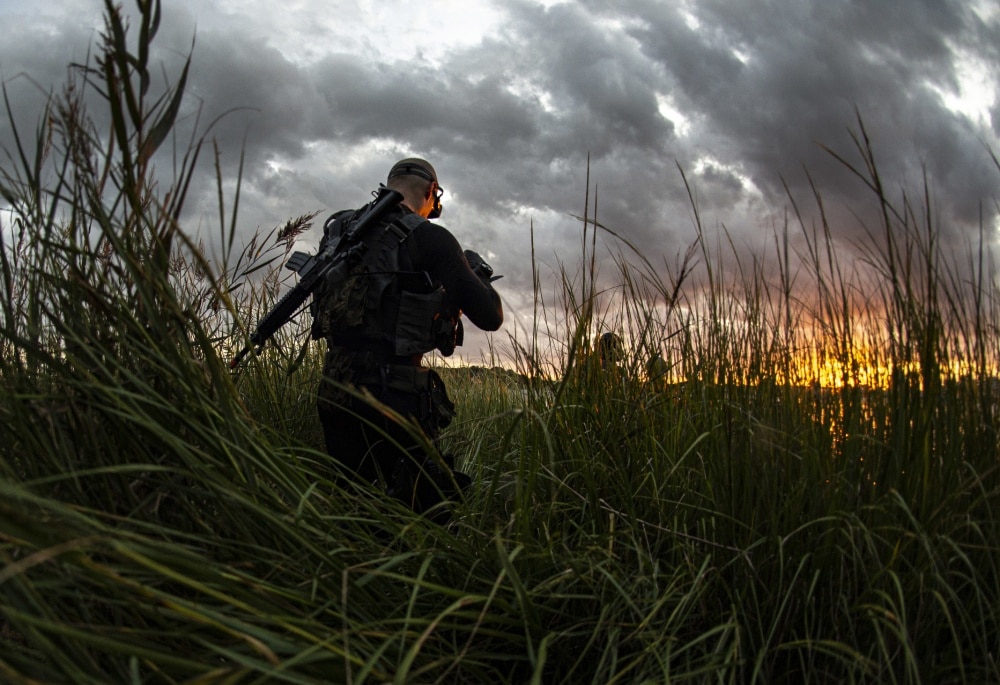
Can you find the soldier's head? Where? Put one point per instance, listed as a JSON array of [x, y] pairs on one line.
[[416, 179]]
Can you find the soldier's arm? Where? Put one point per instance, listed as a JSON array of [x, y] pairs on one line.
[[444, 259]]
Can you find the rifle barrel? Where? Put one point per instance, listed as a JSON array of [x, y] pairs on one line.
[[313, 271]]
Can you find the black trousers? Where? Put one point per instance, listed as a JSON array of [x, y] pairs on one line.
[[365, 441], [375, 449]]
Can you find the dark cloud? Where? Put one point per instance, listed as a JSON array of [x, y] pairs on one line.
[[755, 91], [258, 91], [31, 75], [773, 79]]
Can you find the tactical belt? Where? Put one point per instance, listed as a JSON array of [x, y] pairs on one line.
[[403, 377]]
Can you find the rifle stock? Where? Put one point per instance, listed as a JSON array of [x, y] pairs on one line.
[[314, 270]]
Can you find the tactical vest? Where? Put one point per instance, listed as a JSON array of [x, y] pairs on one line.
[[378, 307]]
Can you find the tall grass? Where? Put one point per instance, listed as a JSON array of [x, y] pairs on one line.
[[723, 516]]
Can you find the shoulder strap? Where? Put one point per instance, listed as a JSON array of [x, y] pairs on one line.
[[410, 221]]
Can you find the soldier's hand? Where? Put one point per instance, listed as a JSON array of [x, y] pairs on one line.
[[480, 267]]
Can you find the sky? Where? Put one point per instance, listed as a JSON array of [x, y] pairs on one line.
[[509, 99]]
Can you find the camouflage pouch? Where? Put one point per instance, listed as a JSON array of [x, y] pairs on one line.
[[341, 306]]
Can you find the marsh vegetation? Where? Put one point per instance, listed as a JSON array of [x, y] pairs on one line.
[[804, 487]]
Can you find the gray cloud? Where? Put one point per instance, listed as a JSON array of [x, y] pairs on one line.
[[755, 90], [808, 67]]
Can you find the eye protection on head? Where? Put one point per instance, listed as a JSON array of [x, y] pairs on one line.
[[436, 211]]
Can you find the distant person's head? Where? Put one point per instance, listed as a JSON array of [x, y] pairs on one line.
[[416, 179], [611, 348]]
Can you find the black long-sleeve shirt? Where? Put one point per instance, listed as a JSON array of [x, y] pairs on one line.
[[433, 248]]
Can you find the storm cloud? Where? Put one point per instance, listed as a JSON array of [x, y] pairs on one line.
[[742, 97]]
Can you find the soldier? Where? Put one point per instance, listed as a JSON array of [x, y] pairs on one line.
[[405, 298], [611, 352]]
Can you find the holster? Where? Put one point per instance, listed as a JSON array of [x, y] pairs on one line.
[[436, 408]]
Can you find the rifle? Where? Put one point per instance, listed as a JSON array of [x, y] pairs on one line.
[[328, 265]]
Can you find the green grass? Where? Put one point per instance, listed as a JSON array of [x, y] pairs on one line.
[[165, 520]]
